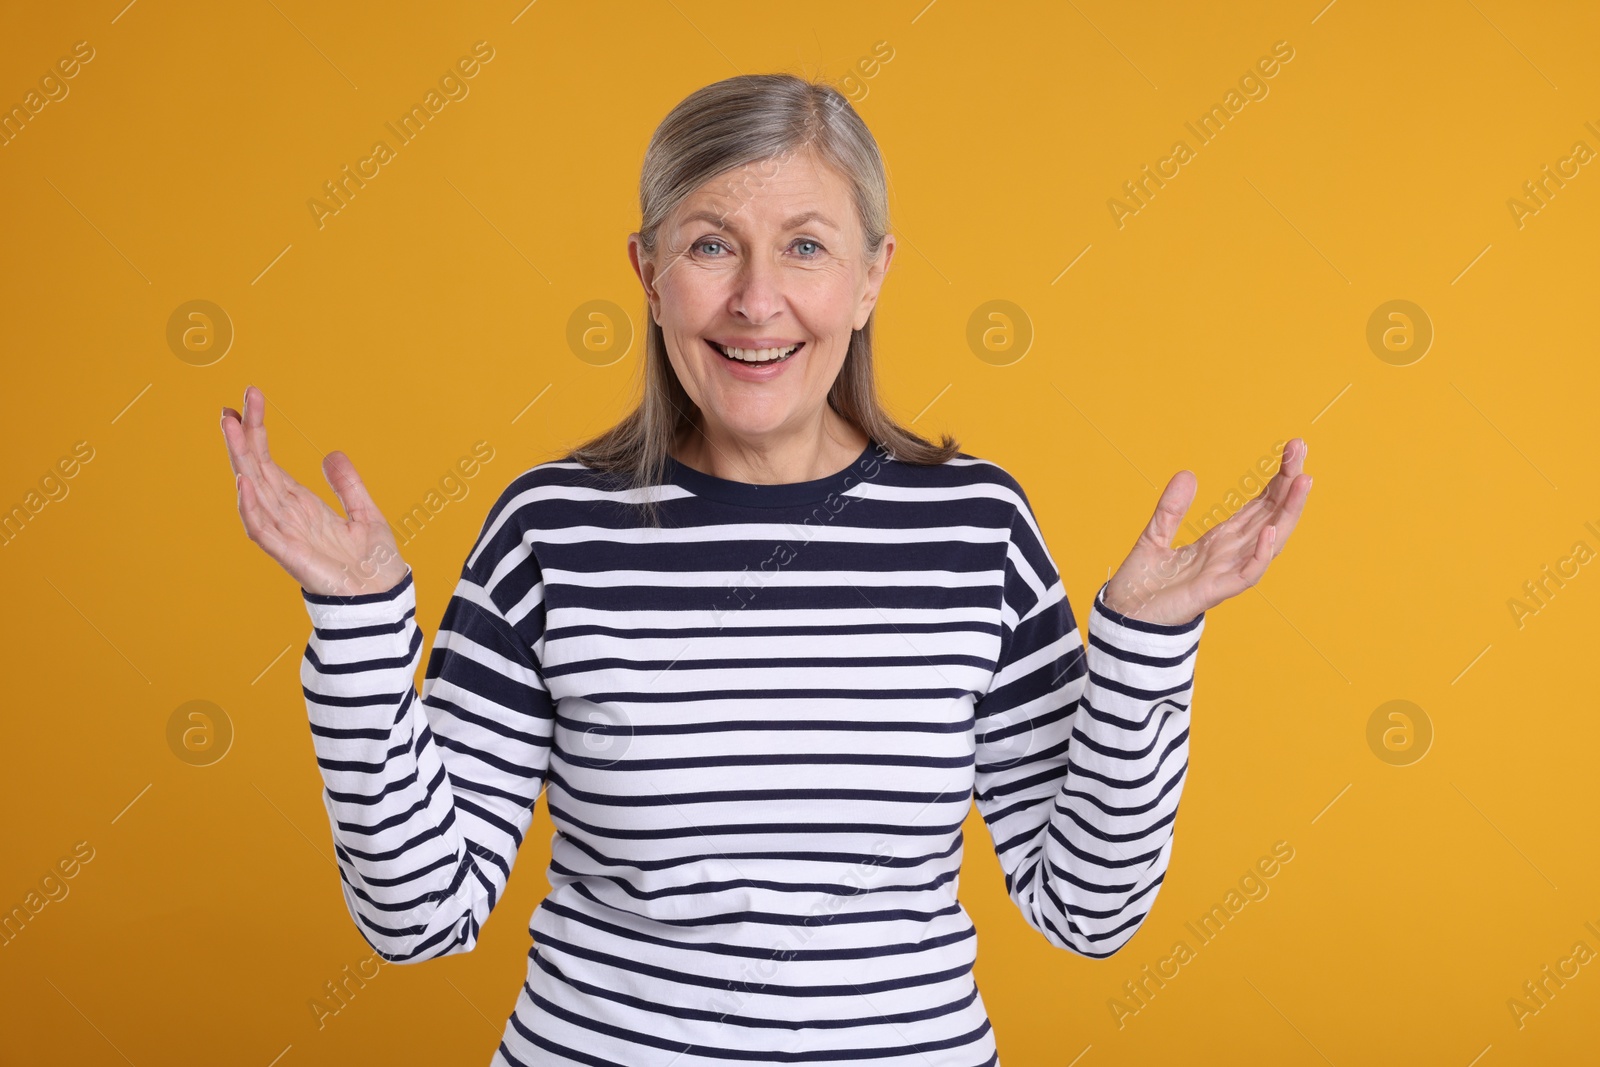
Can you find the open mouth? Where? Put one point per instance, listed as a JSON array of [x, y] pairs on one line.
[[756, 356]]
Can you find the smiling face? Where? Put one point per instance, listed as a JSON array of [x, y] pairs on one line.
[[758, 280]]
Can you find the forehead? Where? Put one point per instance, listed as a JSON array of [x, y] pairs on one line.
[[771, 193]]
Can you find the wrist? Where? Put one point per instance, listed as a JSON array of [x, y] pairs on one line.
[[1121, 598], [1142, 609], [351, 588], [377, 572]]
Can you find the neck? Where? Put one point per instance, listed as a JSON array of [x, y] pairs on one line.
[[825, 447]]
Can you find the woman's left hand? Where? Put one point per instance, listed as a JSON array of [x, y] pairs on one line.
[[1161, 584]]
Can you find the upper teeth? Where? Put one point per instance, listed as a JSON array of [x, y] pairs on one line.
[[757, 355]]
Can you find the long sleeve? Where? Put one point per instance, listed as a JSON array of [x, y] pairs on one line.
[[429, 798], [1081, 754]]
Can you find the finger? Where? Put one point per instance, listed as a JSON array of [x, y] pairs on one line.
[[240, 458], [1288, 515], [272, 482], [255, 414], [1171, 508], [257, 519], [1269, 493], [268, 483], [1256, 565], [349, 488], [269, 495], [1289, 468]]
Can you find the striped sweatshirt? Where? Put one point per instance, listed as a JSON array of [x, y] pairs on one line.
[[758, 728]]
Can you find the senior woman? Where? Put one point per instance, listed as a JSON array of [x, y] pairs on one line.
[[761, 647]]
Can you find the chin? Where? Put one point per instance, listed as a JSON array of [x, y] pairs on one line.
[[750, 424]]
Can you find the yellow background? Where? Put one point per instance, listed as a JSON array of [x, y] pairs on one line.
[[1230, 313]]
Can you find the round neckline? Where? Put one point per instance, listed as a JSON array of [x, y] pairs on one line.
[[778, 495]]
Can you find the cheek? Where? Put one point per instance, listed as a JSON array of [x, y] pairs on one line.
[[679, 354], [830, 301], [700, 378], [831, 323], [692, 311]]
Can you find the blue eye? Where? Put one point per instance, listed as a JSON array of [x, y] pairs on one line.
[[700, 245]]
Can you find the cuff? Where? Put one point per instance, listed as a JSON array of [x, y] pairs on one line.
[[338, 612], [1128, 632]]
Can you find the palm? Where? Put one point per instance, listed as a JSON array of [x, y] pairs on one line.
[[1161, 584], [324, 552]]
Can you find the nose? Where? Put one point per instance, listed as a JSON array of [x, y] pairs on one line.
[[757, 291]]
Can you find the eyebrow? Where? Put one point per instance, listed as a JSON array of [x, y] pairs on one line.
[[789, 224]]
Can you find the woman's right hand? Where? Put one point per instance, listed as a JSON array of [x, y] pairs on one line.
[[323, 552]]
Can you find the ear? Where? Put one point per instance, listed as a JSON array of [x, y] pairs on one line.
[[875, 275], [646, 270]]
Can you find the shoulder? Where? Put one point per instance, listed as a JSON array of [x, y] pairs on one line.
[[992, 478], [990, 489], [547, 496], [979, 500], [979, 484], [1026, 551]]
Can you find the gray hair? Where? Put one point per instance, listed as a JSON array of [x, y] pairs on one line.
[[752, 119]]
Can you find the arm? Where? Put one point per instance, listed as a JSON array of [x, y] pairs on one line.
[[428, 798], [1081, 754]]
